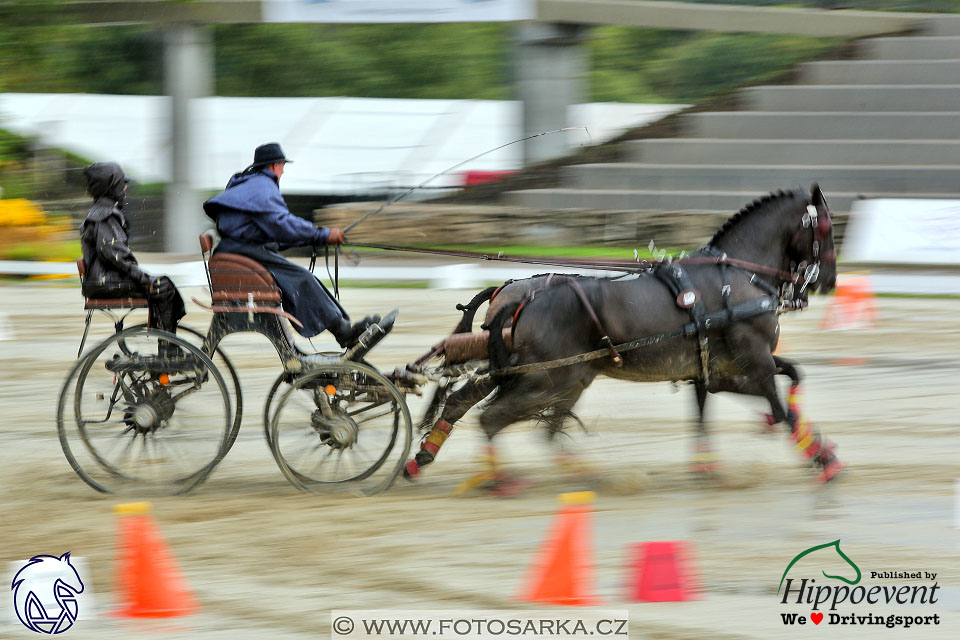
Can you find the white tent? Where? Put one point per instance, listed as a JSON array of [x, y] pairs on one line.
[[339, 145]]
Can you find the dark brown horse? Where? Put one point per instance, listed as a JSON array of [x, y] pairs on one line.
[[719, 305]]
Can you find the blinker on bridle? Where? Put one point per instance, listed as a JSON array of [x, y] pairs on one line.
[[821, 229]]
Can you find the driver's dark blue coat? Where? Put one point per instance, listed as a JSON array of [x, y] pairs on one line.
[[253, 220]]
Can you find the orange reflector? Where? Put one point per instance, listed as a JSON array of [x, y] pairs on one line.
[[330, 390], [164, 379]]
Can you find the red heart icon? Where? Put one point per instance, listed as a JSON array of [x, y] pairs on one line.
[[816, 617]]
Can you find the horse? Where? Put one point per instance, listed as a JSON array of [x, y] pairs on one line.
[[766, 258]]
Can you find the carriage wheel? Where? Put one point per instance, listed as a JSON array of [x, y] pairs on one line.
[[130, 419], [267, 416], [221, 362], [345, 425]]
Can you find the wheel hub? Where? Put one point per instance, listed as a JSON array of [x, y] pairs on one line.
[[148, 414], [145, 417], [340, 431]]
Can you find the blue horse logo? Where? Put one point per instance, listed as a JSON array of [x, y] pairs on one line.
[[31, 587]]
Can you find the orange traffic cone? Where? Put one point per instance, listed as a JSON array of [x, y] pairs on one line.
[[852, 306], [148, 579], [661, 573], [563, 573]]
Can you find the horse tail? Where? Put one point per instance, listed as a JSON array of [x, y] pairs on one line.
[[497, 349], [470, 309]]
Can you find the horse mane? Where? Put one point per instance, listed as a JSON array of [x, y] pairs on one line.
[[753, 207]]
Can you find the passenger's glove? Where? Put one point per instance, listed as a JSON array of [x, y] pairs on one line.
[[160, 286]]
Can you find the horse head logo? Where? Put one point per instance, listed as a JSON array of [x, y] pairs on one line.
[[32, 586], [836, 545]]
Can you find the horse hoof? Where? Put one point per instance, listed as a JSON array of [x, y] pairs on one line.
[[474, 482], [769, 424], [411, 471], [831, 472]]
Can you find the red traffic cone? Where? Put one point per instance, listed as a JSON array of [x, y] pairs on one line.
[[562, 574], [148, 579], [661, 573]]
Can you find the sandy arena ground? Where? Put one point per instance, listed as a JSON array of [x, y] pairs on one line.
[[267, 561]]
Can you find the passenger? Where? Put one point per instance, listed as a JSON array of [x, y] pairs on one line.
[[112, 270], [253, 220]]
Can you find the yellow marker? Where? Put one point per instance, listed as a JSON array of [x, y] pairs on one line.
[[577, 497], [330, 390], [132, 508], [164, 379]]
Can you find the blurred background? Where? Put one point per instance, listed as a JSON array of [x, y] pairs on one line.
[[674, 115]]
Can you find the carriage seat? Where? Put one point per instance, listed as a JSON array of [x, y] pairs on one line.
[[238, 279], [108, 303]]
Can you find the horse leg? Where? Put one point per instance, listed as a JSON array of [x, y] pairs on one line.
[[555, 418], [761, 370], [705, 459], [525, 398], [457, 404], [787, 368]]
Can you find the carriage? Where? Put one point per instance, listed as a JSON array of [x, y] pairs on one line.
[[145, 409]]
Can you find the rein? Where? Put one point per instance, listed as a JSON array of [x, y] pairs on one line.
[[616, 265]]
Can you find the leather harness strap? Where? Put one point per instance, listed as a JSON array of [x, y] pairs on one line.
[[604, 336], [678, 281]]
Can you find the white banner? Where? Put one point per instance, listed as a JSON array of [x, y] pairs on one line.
[[357, 11], [903, 232]]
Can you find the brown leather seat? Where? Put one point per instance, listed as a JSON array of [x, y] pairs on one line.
[[108, 303], [235, 278]]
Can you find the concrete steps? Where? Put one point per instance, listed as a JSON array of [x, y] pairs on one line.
[[881, 72], [884, 97], [660, 200], [825, 125], [913, 48], [734, 151], [636, 176], [887, 125]]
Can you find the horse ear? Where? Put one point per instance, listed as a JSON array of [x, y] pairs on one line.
[[65, 557], [816, 195]]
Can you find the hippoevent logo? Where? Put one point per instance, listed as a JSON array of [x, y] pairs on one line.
[[843, 589], [45, 594]]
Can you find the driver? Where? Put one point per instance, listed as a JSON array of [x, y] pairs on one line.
[[253, 220]]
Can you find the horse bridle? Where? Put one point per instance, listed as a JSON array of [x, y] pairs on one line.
[[821, 226]]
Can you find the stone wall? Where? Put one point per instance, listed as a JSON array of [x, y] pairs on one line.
[[490, 226]]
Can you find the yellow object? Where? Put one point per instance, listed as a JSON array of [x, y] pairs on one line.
[[132, 508], [473, 482], [330, 390], [164, 379], [19, 212], [577, 497]]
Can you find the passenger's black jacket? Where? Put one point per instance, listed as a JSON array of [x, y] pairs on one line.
[[112, 269]]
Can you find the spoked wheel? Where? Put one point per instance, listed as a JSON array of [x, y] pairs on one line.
[[222, 363], [272, 395], [344, 425], [144, 411]]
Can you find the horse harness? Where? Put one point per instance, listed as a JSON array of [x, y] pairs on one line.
[[686, 296], [677, 280]]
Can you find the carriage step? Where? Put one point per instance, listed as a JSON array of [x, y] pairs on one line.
[[372, 336]]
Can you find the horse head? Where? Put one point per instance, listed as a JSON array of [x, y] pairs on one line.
[[812, 247]]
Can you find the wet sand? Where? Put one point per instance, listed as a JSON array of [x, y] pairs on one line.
[[267, 561]]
